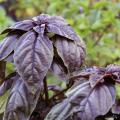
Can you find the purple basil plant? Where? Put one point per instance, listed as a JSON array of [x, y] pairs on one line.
[[49, 44]]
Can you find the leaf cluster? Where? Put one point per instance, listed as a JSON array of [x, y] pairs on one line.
[[46, 44], [36, 46]]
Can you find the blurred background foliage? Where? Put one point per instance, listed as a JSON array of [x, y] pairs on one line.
[[96, 21]]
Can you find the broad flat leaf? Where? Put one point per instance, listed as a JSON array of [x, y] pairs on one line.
[[98, 102], [2, 71], [62, 30], [71, 53], [21, 102], [33, 57], [3, 102], [8, 45], [24, 25], [85, 101]]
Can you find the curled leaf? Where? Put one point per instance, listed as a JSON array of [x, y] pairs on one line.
[[72, 53]]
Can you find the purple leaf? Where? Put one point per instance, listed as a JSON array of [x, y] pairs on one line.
[[113, 68], [62, 30], [8, 45], [20, 103], [24, 25], [33, 58], [59, 26], [86, 102], [65, 108], [72, 53], [99, 102]]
